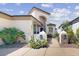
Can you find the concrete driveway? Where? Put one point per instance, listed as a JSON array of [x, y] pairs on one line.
[[54, 49]]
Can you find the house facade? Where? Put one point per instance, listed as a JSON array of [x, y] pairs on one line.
[[31, 24], [51, 29]]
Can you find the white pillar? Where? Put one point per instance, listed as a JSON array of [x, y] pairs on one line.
[[36, 28], [60, 38], [39, 28]]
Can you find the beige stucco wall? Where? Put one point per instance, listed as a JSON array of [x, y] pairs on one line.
[[4, 21], [24, 24], [36, 13]]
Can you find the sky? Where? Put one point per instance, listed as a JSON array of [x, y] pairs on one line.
[[59, 11]]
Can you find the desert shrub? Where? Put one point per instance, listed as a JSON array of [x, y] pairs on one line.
[[36, 43], [9, 35]]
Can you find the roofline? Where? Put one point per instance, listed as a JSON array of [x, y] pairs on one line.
[[14, 15], [60, 26], [5, 14], [20, 16], [23, 15], [37, 20], [39, 9], [51, 24], [72, 22], [27, 15]]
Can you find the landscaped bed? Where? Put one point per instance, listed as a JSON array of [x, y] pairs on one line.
[[16, 45], [12, 39]]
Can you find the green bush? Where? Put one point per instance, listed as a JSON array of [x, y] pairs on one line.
[[44, 43], [68, 28], [70, 35], [77, 32], [9, 35], [36, 43]]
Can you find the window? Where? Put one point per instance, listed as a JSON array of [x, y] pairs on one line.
[[55, 28], [34, 29], [43, 21], [37, 29], [50, 29]]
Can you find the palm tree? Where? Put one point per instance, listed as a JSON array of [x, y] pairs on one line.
[[65, 26], [68, 28]]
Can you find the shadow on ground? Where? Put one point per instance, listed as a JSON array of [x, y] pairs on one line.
[[6, 49]]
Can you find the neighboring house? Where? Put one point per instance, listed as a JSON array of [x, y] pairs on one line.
[[75, 24], [30, 24], [51, 29]]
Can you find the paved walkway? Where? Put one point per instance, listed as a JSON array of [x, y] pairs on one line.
[[54, 43], [53, 50]]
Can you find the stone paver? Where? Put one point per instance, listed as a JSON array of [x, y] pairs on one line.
[[54, 52], [62, 52], [71, 51], [54, 43], [19, 52], [36, 52]]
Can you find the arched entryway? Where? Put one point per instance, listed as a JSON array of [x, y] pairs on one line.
[[43, 21]]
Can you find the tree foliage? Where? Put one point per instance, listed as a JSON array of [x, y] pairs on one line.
[[68, 28]]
